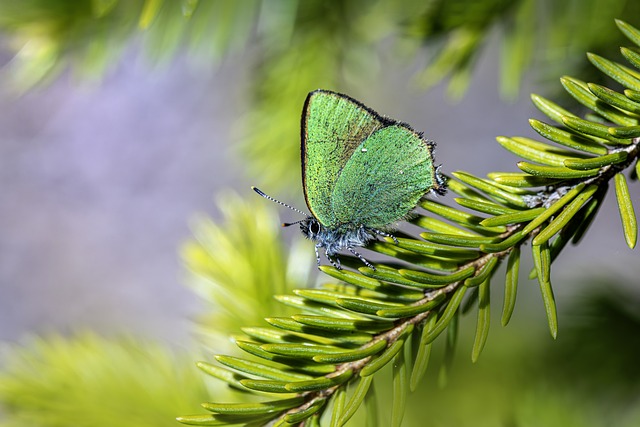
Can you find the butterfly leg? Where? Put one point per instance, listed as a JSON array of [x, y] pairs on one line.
[[334, 262], [317, 255], [367, 263], [385, 234]]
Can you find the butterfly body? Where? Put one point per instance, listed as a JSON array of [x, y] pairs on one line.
[[333, 240]]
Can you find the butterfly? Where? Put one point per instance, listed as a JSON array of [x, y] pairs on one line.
[[362, 173]]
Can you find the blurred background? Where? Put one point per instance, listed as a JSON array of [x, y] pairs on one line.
[[130, 133]]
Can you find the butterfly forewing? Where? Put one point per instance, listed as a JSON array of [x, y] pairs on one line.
[[333, 126]]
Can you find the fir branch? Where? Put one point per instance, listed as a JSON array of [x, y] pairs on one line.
[[356, 328]]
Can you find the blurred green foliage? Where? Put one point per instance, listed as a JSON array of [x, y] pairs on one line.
[[540, 38], [238, 264], [90, 37], [602, 343], [90, 381]]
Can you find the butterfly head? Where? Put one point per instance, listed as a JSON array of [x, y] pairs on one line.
[[311, 228], [331, 239]]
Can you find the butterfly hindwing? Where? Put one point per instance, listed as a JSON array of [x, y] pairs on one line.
[[333, 127], [384, 178]]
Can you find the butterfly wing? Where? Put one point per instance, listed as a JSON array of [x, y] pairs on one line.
[[384, 178], [333, 126]]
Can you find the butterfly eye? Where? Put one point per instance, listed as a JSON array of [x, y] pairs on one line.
[[314, 227]]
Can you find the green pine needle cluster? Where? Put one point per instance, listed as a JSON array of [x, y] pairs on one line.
[[319, 365], [534, 35], [89, 37], [87, 380]]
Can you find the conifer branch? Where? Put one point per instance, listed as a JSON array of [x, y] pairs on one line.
[[349, 330]]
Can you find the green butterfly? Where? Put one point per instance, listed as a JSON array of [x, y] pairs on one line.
[[361, 173]]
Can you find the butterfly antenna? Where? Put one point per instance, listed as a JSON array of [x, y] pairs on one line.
[[257, 190]]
